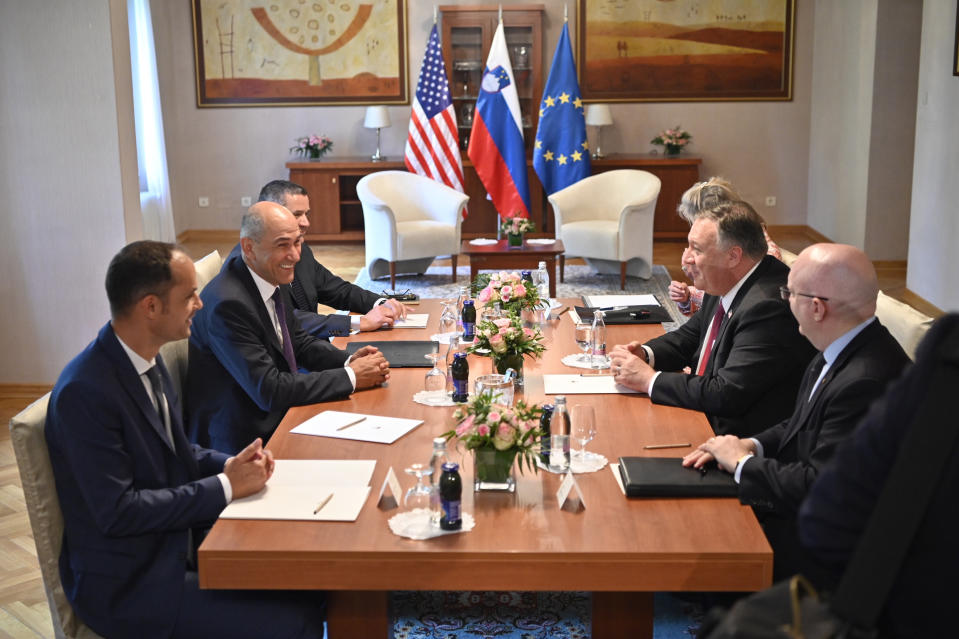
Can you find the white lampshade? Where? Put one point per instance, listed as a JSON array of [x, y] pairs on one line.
[[377, 117], [598, 115]]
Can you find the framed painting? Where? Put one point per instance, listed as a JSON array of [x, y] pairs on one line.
[[298, 52], [677, 50]]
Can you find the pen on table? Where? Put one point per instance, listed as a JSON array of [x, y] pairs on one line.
[[325, 501], [353, 423], [612, 308], [560, 314], [598, 374], [659, 446]]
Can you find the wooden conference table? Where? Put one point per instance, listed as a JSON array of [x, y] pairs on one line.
[[623, 550]]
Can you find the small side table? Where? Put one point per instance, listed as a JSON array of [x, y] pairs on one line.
[[499, 256]]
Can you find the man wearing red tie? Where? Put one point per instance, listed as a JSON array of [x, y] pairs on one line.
[[743, 345]]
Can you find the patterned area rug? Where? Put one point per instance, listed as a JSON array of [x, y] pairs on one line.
[[520, 615], [580, 280]]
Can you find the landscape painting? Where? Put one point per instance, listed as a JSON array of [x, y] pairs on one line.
[[293, 52], [675, 50]]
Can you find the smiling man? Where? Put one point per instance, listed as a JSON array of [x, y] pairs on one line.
[[247, 348], [743, 348]]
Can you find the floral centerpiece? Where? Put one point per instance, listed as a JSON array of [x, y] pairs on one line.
[[673, 140], [508, 291], [506, 340], [312, 146], [515, 227], [497, 433]]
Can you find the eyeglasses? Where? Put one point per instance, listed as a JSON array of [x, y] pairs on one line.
[[785, 293]]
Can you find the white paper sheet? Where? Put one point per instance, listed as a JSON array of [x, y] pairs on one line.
[[577, 384], [373, 428], [299, 486], [413, 320], [605, 301]]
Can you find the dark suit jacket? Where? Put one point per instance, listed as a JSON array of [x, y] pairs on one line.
[[839, 504], [128, 499], [797, 449], [757, 361], [239, 384], [323, 287]]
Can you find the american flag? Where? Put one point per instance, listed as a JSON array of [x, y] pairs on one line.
[[432, 148]]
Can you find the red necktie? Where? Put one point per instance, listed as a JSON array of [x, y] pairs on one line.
[[713, 332]]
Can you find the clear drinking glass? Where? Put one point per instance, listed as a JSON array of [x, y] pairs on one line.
[[584, 339], [583, 420], [448, 318], [419, 496], [435, 379]]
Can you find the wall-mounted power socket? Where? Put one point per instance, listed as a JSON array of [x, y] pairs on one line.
[[203, 201], [770, 200]]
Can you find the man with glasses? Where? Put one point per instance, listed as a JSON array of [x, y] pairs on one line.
[[314, 284], [742, 345], [832, 291]]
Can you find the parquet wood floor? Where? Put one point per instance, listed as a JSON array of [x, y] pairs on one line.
[[23, 606]]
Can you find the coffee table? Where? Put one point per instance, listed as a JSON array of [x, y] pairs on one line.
[[501, 256]]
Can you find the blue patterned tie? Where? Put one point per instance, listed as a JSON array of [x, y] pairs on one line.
[[284, 331]]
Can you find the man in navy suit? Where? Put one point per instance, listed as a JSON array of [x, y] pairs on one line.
[[742, 344], [832, 292], [313, 283], [136, 496], [247, 349]]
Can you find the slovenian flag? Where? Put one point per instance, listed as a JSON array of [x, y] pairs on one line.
[[561, 152], [496, 141]]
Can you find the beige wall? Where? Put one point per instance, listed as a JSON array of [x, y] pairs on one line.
[[226, 153], [60, 174], [934, 225]]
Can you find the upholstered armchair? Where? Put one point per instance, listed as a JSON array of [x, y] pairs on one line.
[[409, 220], [608, 220]]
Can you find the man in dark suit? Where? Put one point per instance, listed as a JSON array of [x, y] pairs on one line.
[[247, 350], [832, 292], [313, 283], [742, 346], [135, 495], [840, 503]]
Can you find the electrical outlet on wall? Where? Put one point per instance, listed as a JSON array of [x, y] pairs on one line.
[[203, 201], [770, 200], [246, 200]]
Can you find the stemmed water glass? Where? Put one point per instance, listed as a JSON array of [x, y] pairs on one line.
[[419, 496], [584, 339], [435, 379], [583, 420], [448, 318]]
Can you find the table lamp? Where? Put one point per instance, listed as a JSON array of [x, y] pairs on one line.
[[377, 117], [598, 115]]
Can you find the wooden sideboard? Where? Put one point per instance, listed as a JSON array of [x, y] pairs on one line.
[[336, 214]]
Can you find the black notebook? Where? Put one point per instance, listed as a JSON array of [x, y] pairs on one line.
[[667, 477], [652, 314], [400, 354]]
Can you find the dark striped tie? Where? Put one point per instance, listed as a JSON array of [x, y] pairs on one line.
[[284, 331]]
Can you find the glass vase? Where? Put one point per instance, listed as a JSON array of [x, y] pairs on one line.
[[510, 360], [672, 150], [514, 240], [493, 470]]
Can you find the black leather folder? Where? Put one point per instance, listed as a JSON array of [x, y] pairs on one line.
[[652, 314], [400, 354], [667, 477]]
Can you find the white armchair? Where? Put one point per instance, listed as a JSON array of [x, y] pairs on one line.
[[409, 220], [608, 220]]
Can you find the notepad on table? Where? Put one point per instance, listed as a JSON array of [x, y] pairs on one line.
[[412, 320], [309, 489], [373, 428], [606, 301], [580, 384]]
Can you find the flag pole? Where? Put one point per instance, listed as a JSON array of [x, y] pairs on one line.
[[435, 14], [501, 13], [565, 13]]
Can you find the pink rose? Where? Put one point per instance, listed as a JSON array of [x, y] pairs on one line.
[[501, 322], [509, 416], [528, 332], [484, 295], [497, 343], [465, 426], [519, 290], [493, 417], [482, 430], [527, 426]]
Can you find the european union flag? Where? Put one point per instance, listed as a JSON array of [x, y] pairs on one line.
[[561, 153]]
